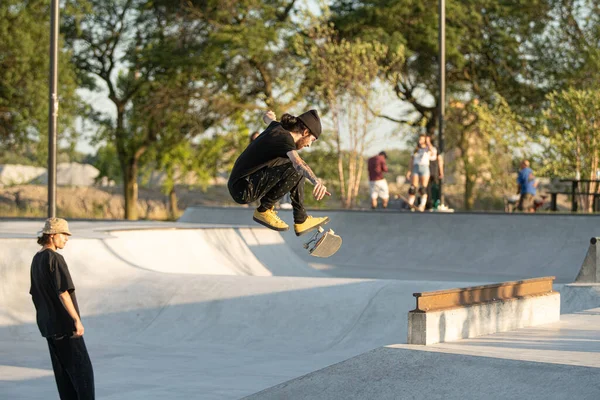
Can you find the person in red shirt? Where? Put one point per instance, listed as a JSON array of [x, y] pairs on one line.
[[377, 183]]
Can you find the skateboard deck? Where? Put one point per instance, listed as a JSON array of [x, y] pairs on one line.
[[411, 206], [323, 244]]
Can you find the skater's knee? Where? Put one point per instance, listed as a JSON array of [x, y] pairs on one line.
[[240, 194], [422, 190], [412, 190]]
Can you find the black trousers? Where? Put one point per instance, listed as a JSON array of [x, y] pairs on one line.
[[269, 185], [72, 368]]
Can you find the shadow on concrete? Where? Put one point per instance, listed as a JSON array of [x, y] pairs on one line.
[[389, 373], [225, 344]]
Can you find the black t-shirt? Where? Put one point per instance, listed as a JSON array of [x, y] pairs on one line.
[[265, 151], [434, 170], [49, 278]]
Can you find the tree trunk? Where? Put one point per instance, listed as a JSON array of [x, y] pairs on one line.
[[358, 176], [340, 155], [470, 176], [351, 177], [469, 189], [130, 190], [431, 126], [173, 209], [129, 166]]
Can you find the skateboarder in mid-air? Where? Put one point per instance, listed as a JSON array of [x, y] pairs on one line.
[[270, 167]]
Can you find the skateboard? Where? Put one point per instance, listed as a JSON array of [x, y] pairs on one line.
[[411, 206], [323, 244]]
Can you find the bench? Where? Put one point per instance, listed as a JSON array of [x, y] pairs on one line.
[[553, 196], [587, 184]]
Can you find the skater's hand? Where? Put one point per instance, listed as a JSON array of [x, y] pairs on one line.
[[78, 329], [320, 191], [408, 175], [269, 117]]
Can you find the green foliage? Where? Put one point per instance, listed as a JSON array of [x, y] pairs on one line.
[[107, 162], [341, 74], [570, 131], [340, 67], [568, 55], [186, 79], [149, 57], [246, 46], [485, 137], [24, 71], [488, 48]]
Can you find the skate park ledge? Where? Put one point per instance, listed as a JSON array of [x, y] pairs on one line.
[[447, 315]]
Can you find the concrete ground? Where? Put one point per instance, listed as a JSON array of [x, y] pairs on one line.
[[190, 310], [555, 361]]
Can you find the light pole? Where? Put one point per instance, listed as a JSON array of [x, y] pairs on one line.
[[442, 85], [53, 109]]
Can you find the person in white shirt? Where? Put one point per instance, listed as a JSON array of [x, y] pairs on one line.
[[418, 173]]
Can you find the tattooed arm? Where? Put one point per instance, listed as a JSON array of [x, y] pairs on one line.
[[302, 167]]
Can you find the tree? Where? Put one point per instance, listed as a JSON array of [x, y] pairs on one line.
[[485, 137], [489, 49], [24, 74], [248, 42], [148, 57], [342, 74], [195, 164], [569, 51], [570, 129]]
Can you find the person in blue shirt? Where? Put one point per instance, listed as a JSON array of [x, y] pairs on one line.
[[527, 185]]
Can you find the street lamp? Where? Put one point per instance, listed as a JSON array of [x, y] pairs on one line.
[[442, 85], [53, 109]]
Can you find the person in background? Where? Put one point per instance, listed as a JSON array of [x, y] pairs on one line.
[[526, 188], [436, 168], [419, 172], [377, 183]]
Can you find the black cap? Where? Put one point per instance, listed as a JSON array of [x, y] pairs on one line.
[[312, 121]]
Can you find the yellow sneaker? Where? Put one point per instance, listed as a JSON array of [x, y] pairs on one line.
[[270, 219], [309, 225]]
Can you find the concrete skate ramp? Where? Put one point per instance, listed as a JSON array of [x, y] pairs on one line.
[[153, 333], [439, 246], [184, 248], [213, 251], [159, 326]]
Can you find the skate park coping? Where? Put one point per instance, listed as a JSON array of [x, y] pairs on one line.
[[461, 297]]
